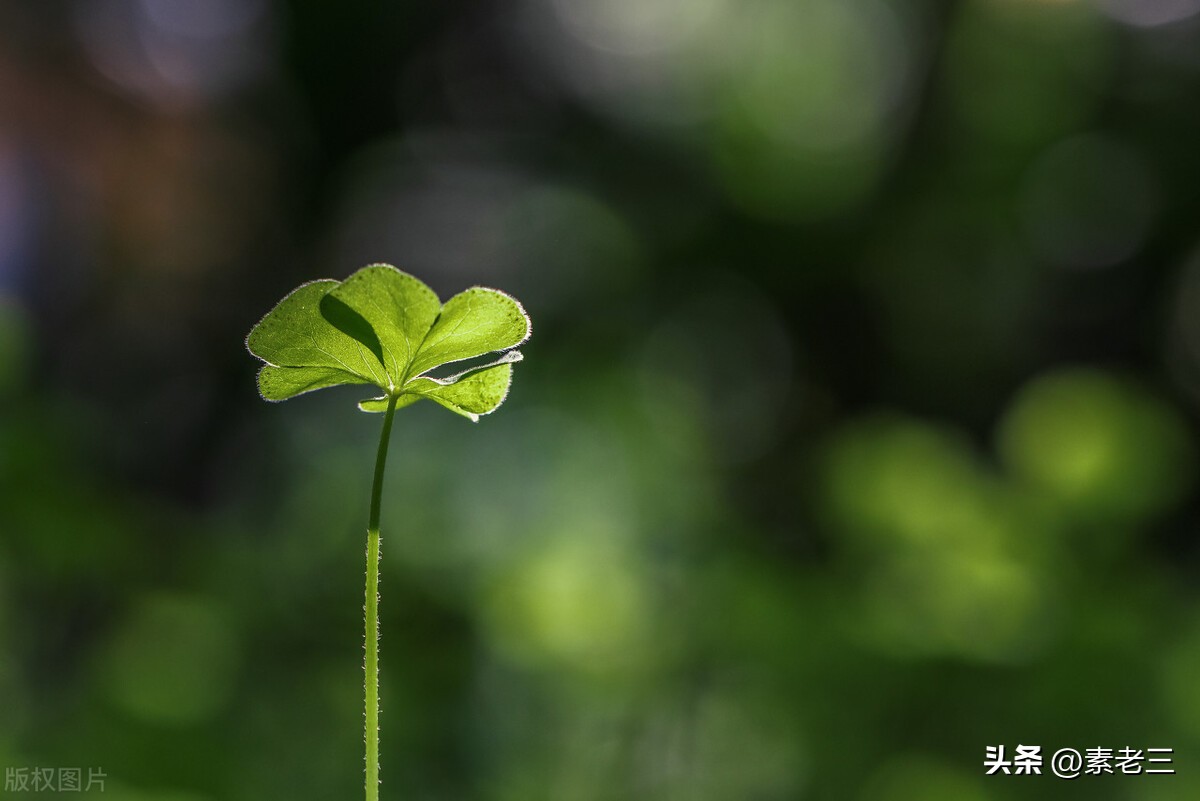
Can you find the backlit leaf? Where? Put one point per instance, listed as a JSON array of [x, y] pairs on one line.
[[473, 394], [386, 328]]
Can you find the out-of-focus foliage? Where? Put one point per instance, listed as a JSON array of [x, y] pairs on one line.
[[858, 434]]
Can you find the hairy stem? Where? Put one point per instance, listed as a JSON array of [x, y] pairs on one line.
[[371, 613]]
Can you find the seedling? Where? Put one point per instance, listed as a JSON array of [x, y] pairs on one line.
[[385, 328]]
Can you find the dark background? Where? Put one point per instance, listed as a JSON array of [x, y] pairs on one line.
[[857, 432]]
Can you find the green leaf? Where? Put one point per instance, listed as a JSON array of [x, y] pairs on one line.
[[472, 323], [386, 328], [296, 334], [399, 308], [281, 383], [472, 394]]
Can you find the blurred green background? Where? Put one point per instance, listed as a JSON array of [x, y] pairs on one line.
[[857, 432]]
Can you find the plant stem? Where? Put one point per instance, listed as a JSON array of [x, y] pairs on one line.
[[371, 613]]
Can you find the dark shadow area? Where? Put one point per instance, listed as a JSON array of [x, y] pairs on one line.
[[345, 319]]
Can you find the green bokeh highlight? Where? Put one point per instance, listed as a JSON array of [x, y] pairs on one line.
[[172, 661], [1097, 445]]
